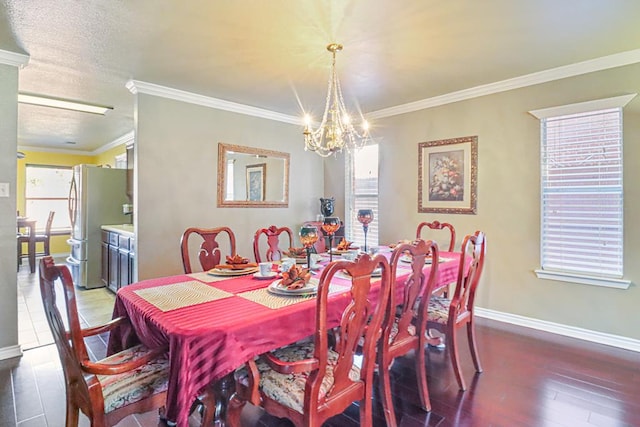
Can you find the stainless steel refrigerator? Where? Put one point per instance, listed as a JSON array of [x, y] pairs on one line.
[[95, 198]]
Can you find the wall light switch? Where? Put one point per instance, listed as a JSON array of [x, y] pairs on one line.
[[4, 189]]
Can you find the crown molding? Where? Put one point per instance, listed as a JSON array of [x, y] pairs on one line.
[[55, 150], [557, 328], [126, 139], [579, 68], [581, 107], [19, 60], [137, 86]]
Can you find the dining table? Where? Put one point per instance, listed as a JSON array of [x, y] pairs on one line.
[[213, 324], [30, 225]]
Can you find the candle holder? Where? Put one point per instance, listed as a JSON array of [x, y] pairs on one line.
[[330, 226], [365, 217], [308, 236]]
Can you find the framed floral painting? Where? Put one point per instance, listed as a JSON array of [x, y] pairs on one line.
[[447, 175]]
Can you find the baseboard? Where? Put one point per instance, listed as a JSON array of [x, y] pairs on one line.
[[10, 352], [557, 328]]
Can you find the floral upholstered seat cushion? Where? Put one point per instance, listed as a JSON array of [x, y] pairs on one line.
[[130, 387], [439, 310], [288, 389], [394, 330]]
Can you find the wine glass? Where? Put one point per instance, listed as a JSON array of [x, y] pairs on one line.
[[365, 217], [330, 225], [308, 236]]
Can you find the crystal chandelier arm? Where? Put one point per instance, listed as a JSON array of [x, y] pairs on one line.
[[336, 131]]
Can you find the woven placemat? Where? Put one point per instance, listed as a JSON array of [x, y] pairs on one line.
[[179, 295], [273, 301]]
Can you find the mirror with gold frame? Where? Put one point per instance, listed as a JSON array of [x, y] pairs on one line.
[[252, 177]]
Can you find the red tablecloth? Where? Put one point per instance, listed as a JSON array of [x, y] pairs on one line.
[[209, 340]]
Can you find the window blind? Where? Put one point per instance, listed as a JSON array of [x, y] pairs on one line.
[[582, 199], [362, 193]]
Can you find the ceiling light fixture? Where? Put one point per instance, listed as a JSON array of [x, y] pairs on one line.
[[65, 104], [335, 132]]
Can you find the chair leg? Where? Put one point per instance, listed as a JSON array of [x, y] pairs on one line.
[[385, 390], [234, 411], [421, 370], [452, 345], [366, 410], [471, 335], [208, 401], [46, 248], [72, 415]]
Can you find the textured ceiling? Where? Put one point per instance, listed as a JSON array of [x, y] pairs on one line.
[[272, 54]]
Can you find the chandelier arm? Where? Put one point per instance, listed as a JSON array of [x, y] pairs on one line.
[[336, 131]]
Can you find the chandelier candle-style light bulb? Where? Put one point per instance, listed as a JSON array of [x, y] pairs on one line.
[[336, 132]]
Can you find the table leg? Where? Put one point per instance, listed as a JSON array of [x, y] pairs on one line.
[[224, 389], [32, 251]]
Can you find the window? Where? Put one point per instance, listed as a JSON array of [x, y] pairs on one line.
[[230, 181], [47, 189], [581, 194], [361, 192]]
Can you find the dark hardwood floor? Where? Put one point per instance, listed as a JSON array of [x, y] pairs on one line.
[[530, 378]]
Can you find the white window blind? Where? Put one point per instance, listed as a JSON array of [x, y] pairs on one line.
[[362, 193], [582, 199]]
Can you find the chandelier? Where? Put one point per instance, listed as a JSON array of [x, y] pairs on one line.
[[336, 132]]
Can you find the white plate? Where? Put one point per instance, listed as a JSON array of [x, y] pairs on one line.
[[231, 272], [408, 259], [308, 289], [271, 275]]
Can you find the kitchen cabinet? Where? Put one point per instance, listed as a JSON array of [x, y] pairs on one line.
[[118, 256]]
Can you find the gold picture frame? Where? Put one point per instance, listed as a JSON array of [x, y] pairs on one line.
[[448, 175]]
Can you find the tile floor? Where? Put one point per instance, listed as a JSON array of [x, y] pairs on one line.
[[95, 306]]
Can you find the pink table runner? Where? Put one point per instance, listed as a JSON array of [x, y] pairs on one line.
[[209, 340]]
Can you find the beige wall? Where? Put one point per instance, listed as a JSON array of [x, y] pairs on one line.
[[176, 177], [8, 248], [508, 196]]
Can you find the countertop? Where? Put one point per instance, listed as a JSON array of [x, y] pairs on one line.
[[124, 229]]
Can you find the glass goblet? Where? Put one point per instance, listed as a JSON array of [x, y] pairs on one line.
[[365, 217], [308, 236], [330, 225]]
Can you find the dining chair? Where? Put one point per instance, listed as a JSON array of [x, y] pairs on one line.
[[209, 253], [273, 233], [310, 381], [448, 315], [437, 225], [44, 238], [408, 330], [106, 391]]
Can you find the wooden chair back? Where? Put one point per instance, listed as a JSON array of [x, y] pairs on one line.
[[407, 328], [274, 252], [437, 225], [362, 317], [360, 327], [473, 253], [46, 237], [66, 329], [84, 390], [416, 289], [209, 253]]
